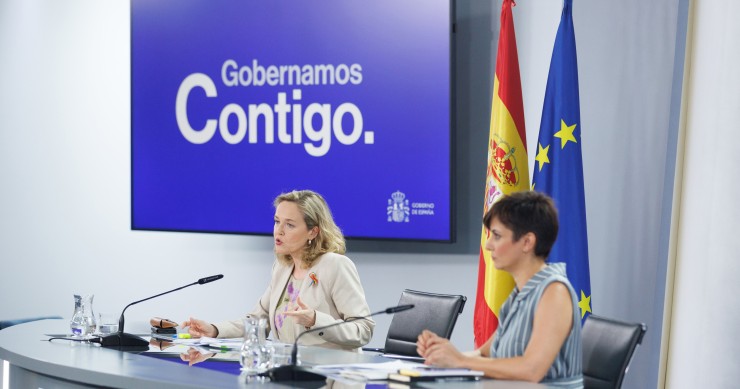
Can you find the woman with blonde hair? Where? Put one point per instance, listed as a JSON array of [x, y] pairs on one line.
[[313, 283]]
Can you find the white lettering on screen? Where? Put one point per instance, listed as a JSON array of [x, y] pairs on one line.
[[318, 122]]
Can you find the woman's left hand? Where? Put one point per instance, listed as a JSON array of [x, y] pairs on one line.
[[302, 314]]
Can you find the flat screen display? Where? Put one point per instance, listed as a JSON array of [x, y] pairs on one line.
[[236, 101]]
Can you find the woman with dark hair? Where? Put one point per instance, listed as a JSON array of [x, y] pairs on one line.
[[312, 285], [539, 333]]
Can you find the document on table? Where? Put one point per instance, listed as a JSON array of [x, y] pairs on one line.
[[219, 343], [404, 357], [365, 371], [430, 373], [223, 343]]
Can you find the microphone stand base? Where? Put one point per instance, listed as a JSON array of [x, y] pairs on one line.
[[292, 373], [124, 341]]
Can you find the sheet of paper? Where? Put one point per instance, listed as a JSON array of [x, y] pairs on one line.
[[223, 343], [429, 371], [230, 343], [366, 371]]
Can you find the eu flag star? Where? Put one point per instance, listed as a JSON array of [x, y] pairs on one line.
[[584, 304], [566, 134], [542, 155]]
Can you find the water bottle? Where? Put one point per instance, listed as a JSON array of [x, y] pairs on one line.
[[266, 349], [78, 324], [254, 355], [88, 314], [83, 319]]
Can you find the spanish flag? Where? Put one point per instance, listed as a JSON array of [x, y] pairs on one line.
[[507, 171]]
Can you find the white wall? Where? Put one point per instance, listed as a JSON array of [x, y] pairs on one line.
[[65, 170], [626, 69], [702, 351]]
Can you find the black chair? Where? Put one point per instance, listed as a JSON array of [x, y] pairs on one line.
[[608, 347], [435, 312], [9, 323]]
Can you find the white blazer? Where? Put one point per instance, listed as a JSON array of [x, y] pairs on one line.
[[337, 296]]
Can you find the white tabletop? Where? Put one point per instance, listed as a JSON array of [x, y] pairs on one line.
[[37, 362]]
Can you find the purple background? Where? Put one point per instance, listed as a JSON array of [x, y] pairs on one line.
[[403, 47]]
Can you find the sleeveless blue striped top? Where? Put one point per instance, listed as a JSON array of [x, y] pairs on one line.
[[515, 328]]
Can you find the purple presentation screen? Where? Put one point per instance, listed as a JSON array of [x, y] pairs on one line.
[[236, 101]]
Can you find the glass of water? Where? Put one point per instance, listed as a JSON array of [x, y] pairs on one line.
[[281, 354], [107, 323]]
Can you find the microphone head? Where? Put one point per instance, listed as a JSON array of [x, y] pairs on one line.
[[399, 308], [206, 280]]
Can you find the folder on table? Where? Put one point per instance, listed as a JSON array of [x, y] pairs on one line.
[[435, 374]]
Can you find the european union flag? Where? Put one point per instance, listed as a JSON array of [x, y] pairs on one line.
[[558, 164]]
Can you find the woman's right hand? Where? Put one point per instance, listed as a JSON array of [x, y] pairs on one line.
[[199, 328]]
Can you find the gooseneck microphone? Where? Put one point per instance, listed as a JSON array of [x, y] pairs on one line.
[[293, 372], [125, 341]]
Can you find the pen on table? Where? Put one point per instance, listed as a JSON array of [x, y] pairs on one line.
[[222, 348], [438, 368], [181, 336], [452, 379]]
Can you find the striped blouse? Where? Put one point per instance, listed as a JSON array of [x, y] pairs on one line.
[[515, 328]]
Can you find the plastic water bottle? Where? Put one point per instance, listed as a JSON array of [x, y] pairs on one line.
[[255, 355], [88, 314], [79, 324]]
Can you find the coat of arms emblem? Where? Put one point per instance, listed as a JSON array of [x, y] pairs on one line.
[[398, 207]]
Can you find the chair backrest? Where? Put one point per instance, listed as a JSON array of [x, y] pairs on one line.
[[608, 347], [435, 312]]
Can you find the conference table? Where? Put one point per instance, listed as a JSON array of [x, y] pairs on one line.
[[35, 362]]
